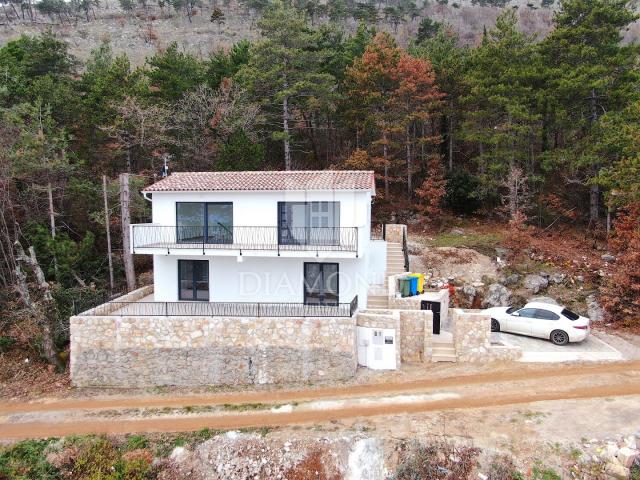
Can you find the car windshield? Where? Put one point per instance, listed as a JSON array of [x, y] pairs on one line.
[[569, 314], [512, 309]]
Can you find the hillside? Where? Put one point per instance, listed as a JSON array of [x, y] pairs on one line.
[[142, 32]]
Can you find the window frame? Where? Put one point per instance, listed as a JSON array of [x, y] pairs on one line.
[[205, 221], [304, 283], [193, 276]]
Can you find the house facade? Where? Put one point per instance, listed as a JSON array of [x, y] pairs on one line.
[[295, 240]]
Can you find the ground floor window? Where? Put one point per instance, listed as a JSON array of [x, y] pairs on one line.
[[321, 284], [193, 280]]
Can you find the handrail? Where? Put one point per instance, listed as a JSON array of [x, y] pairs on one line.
[[223, 309], [170, 237], [405, 249]]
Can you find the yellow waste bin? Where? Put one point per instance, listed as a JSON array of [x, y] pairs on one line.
[[420, 278]]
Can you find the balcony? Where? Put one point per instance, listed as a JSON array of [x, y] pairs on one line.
[[149, 238], [146, 307]]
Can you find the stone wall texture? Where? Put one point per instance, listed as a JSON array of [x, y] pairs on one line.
[[189, 351], [472, 338]]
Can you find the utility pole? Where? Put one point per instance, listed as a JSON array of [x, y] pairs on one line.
[[126, 238], [107, 226]]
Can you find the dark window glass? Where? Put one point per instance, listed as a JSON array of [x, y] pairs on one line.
[[527, 312], [193, 280], [309, 223], [569, 314], [545, 314], [512, 309], [204, 222], [321, 284]]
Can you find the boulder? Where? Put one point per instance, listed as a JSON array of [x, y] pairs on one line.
[[594, 311], [502, 252], [548, 300], [557, 278], [616, 471], [512, 279], [535, 283], [467, 295], [607, 257], [497, 296], [626, 456]]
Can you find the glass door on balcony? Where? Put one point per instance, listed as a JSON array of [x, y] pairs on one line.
[[193, 280], [321, 284], [309, 223], [219, 223], [199, 222]]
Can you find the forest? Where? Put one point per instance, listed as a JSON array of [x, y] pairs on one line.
[[530, 131]]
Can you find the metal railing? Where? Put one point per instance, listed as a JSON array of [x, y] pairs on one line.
[[405, 249], [344, 239], [223, 309]]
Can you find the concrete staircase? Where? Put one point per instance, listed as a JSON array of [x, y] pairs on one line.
[[443, 348], [377, 297]]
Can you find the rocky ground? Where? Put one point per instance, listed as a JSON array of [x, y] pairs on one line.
[[488, 272]]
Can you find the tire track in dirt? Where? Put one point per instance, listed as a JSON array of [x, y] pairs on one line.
[[18, 431], [520, 372]]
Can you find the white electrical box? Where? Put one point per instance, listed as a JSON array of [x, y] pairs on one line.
[[377, 348]]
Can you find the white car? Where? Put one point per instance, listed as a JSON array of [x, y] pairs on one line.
[[542, 320]]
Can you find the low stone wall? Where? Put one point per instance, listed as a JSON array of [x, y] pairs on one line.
[[189, 351], [415, 302], [413, 331], [394, 232], [472, 338]]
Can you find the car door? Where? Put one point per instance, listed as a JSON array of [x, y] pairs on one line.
[[544, 323], [520, 321]]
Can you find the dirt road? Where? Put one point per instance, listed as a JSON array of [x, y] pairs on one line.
[[317, 405]]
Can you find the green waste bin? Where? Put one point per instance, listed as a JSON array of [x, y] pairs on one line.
[[404, 285]]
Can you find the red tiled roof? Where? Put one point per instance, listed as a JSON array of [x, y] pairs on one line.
[[269, 180]]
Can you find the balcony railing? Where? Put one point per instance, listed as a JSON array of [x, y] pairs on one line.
[[148, 236], [223, 309]]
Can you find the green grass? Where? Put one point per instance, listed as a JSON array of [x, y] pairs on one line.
[[484, 243]]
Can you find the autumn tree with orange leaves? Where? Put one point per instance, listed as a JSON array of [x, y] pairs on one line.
[[395, 110]]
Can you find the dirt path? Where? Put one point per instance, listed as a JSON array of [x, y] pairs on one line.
[[270, 419], [517, 373], [512, 387]]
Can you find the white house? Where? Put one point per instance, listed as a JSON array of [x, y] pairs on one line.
[[279, 240]]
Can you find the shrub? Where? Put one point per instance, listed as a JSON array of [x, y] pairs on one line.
[[436, 461], [26, 461], [460, 196]]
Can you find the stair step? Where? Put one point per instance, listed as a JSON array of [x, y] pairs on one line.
[[444, 358], [443, 351]]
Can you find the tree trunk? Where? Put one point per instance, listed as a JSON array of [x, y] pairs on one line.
[[409, 164], [285, 130], [386, 165], [46, 316], [52, 224], [127, 257], [451, 143], [106, 223], [594, 203]]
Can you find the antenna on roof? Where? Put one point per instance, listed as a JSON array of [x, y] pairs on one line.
[[165, 167]]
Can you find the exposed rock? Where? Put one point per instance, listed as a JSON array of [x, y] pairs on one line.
[[512, 279], [502, 252], [497, 296], [580, 279], [548, 300], [535, 283], [626, 456], [544, 275], [557, 278], [467, 295], [607, 257], [594, 311], [616, 471]]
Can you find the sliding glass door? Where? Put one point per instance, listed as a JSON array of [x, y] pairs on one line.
[[321, 284], [309, 223], [193, 280], [204, 222]]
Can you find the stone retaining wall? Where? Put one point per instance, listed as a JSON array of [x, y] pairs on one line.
[[189, 351], [472, 338]]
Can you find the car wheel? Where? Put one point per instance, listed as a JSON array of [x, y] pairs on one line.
[[495, 325], [558, 337]]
